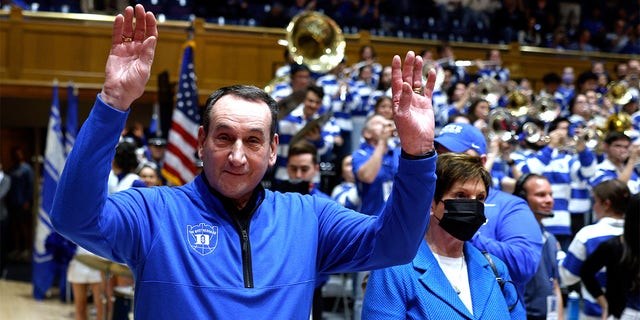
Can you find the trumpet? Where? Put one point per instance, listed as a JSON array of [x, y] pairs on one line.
[[533, 133], [501, 124], [590, 136], [447, 61]]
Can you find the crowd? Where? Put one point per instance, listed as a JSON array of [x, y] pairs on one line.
[[611, 26], [452, 194]]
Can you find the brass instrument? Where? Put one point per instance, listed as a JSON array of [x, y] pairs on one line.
[[315, 40], [315, 124], [517, 104], [545, 109], [618, 93], [590, 136], [489, 89], [502, 124], [619, 121], [448, 61], [533, 134]]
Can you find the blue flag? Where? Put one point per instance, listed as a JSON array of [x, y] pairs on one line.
[[45, 267], [154, 127], [72, 118]]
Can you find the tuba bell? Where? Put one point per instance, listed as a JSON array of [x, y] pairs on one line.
[[517, 104], [489, 89], [315, 40]]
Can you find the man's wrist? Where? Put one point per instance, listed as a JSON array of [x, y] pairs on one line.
[[425, 155]]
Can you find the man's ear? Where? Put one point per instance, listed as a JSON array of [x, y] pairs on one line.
[[201, 137], [273, 153]]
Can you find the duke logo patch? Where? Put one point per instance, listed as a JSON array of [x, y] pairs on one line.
[[203, 238]]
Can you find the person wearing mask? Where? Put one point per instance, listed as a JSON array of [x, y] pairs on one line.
[[610, 202], [222, 244], [302, 167], [620, 256], [542, 293], [511, 232], [449, 278]]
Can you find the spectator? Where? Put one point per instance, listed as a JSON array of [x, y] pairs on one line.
[[5, 185], [449, 278], [620, 157], [544, 287], [148, 173], [20, 205], [610, 200], [346, 193], [510, 232], [620, 256], [299, 124], [375, 164], [583, 42]]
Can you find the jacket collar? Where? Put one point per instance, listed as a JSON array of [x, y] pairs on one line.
[[482, 282]]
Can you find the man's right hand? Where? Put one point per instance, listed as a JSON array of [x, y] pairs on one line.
[[129, 64]]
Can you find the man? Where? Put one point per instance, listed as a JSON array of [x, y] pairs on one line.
[[20, 204], [536, 190], [620, 157], [510, 232], [302, 167], [568, 164], [156, 148], [221, 246], [323, 136], [289, 90], [375, 163]]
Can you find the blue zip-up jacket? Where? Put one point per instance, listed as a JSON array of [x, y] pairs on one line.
[[192, 259]]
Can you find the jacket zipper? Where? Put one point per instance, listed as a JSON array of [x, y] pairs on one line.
[[245, 245], [247, 265]]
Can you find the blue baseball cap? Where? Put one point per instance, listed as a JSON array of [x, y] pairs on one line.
[[460, 137]]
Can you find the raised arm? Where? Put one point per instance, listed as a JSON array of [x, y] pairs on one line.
[[129, 64], [81, 196], [412, 107]]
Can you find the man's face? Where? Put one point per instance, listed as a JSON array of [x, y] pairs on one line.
[[539, 195], [312, 104], [157, 152], [617, 151], [301, 167], [301, 80], [376, 127], [237, 150]]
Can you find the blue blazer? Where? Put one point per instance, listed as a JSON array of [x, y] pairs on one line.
[[420, 290]]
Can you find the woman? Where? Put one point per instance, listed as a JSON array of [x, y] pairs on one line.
[[610, 201], [621, 257], [148, 173], [448, 278]]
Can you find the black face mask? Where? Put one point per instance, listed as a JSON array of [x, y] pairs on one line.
[[462, 217]]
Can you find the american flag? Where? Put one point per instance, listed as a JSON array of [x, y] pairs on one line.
[[179, 163]]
